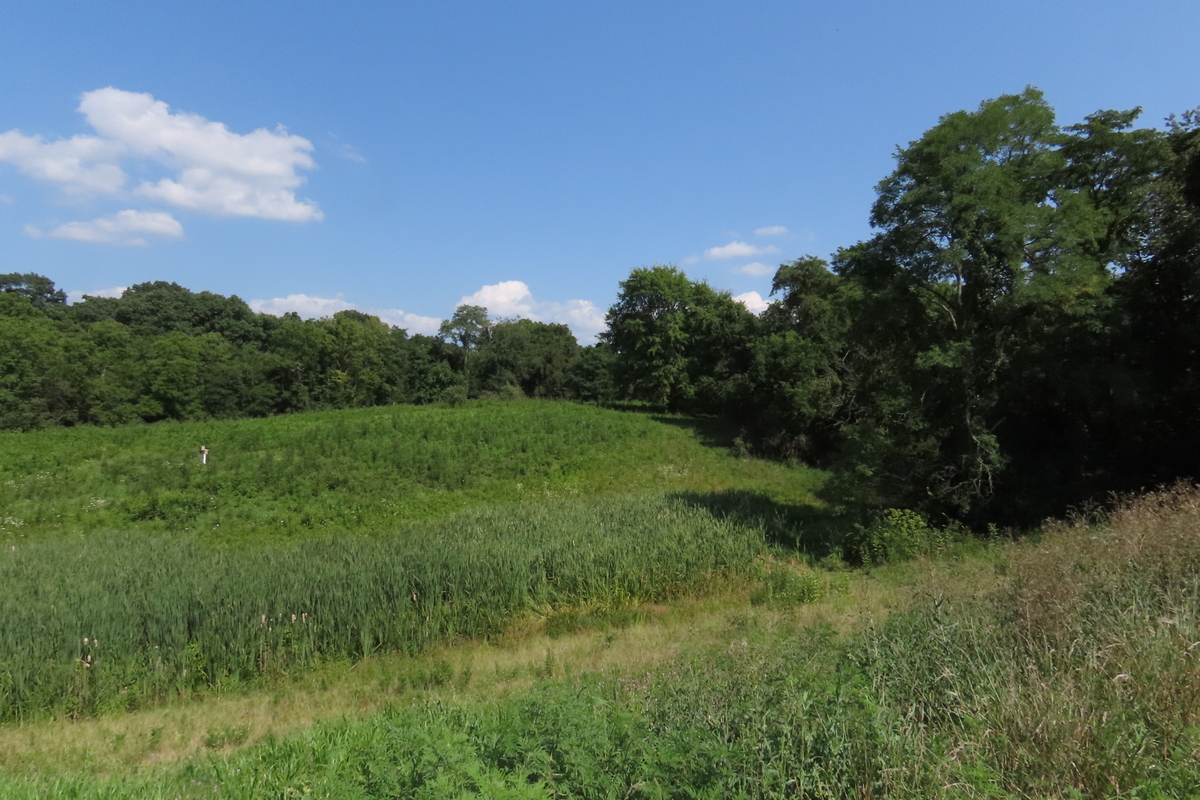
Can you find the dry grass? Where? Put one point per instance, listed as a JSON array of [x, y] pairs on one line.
[[1149, 545]]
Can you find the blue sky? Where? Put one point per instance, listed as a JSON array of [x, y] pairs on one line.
[[400, 157]]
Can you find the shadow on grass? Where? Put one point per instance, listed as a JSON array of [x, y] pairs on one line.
[[816, 531], [709, 431]]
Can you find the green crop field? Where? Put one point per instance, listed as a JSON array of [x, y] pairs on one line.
[[365, 471]]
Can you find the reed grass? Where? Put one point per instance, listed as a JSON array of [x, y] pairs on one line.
[[107, 620]]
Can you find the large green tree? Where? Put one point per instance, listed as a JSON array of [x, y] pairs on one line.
[[1159, 298], [647, 329], [677, 343], [531, 355], [1000, 236], [38, 289], [801, 377]]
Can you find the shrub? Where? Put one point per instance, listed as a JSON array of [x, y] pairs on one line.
[[897, 534]]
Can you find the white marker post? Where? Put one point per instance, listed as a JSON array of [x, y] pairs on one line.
[[203, 454]]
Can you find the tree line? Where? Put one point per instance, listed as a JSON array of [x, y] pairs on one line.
[[1021, 333], [163, 352]]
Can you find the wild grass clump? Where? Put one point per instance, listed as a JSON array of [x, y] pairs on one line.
[[109, 621], [1082, 675], [786, 585], [1147, 552]]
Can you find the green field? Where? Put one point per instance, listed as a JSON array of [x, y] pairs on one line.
[[134, 574], [366, 471], [549, 600]]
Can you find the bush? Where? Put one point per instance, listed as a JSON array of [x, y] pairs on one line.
[[454, 396], [897, 534]]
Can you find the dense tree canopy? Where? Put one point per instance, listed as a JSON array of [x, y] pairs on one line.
[[679, 344], [161, 352]]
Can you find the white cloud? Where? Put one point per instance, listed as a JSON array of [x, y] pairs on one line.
[[308, 307], [81, 164], [123, 228], [76, 296], [692, 260], [752, 301], [305, 305], [756, 268], [504, 299], [6, 200], [216, 171], [581, 316], [220, 172], [736, 249], [413, 323], [771, 230], [514, 299]]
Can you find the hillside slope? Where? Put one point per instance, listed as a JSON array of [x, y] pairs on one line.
[[365, 471], [333, 537]]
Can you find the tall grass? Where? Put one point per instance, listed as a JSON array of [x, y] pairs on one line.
[[106, 620], [1077, 678]]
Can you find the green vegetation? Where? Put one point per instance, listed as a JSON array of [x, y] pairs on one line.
[[117, 620], [134, 574], [1016, 338], [493, 593], [1061, 667], [368, 471]]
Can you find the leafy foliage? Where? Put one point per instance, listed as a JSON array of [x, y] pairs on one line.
[[678, 344], [895, 535], [1018, 335]]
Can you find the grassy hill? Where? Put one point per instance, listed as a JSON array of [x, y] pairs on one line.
[[133, 574], [366, 471]]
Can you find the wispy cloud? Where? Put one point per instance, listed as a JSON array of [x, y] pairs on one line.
[[753, 301], [310, 306], [771, 230], [756, 268], [737, 249], [127, 227], [351, 153], [514, 299]]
